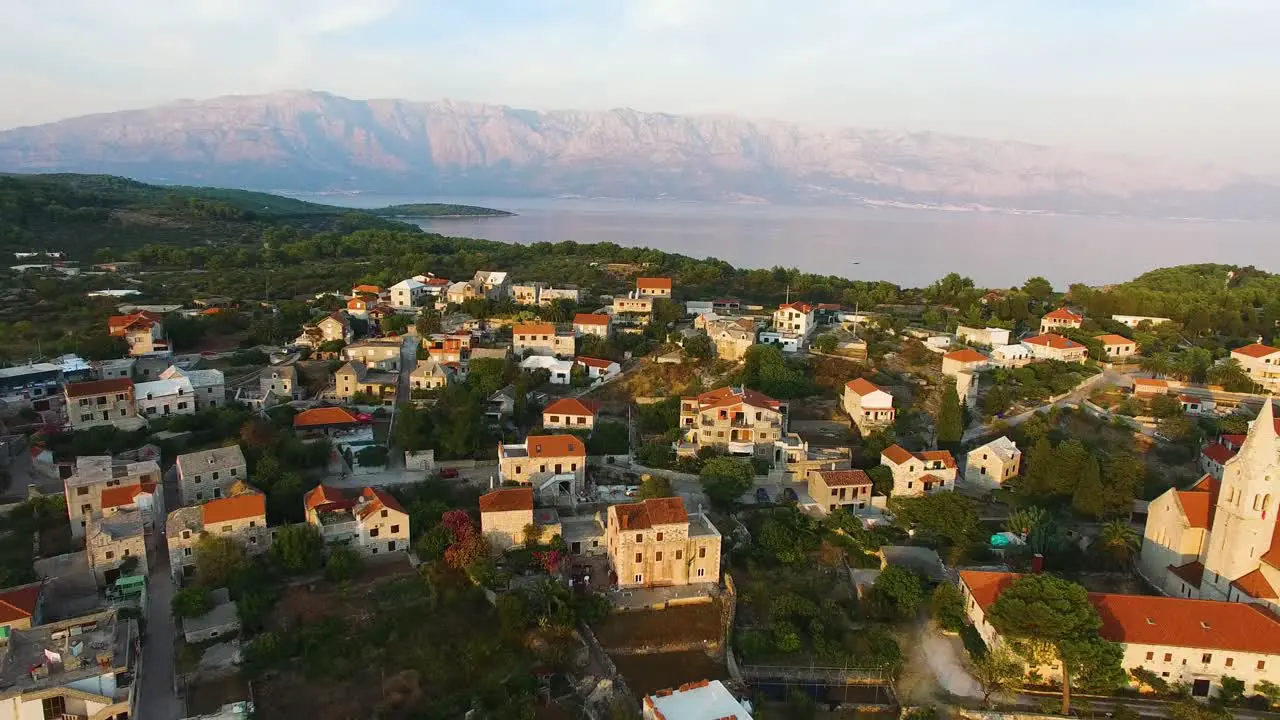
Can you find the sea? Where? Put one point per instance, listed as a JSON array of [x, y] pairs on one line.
[[911, 247]]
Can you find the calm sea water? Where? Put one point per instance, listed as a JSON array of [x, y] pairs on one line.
[[904, 246]]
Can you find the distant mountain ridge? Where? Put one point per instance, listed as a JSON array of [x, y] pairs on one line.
[[315, 141]]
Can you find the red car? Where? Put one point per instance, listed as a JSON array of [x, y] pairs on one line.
[[448, 473]]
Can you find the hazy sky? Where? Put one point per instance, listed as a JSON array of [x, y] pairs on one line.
[[1196, 79]]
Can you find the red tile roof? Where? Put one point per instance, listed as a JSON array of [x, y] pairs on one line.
[[1218, 452], [1256, 350], [1199, 502], [507, 500], [966, 355], [897, 454], [534, 329], [798, 306], [1150, 382], [567, 406], [118, 324], [1272, 555], [1063, 314], [20, 602], [844, 478], [371, 289], [862, 386], [323, 495], [938, 455], [319, 417], [594, 362], [122, 495], [727, 396], [1192, 572], [236, 507], [1053, 340], [375, 500], [1149, 620], [590, 319], [1110, 339], [1255, 585], [555, 446], [644, 515], [99, 387], [653, 283]]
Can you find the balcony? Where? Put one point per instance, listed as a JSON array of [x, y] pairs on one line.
[[742, 448]]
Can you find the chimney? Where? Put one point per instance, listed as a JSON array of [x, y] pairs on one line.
[[1037, 563]]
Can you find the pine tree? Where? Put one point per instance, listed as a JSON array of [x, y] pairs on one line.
[[950, 419], [1089, 498], [1069, 462], [1039, 468]]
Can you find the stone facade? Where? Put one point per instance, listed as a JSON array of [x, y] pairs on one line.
[[921, 473], [657, 543], [870, 407], [732, 419], [100, 402], [210, 474]]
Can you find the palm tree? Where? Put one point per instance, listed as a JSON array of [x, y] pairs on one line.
[[1158, 364], [1119, 541]]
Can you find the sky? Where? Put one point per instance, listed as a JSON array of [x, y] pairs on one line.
[[1182, 79]]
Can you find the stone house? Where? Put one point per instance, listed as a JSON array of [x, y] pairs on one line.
[[656, 543], [736, 420], [144, 331], [377, 353], [992, 465], [921, 473], [835, 489], [870, 406], [101, 402], [282, 381], [110, 541], [1118, 347], [210, 474], [96, 476], [163, 398], [504, 515], [407, 293], [241, 517], [221, 621], [428, 375], [208, 386], [356, 377], [731, 337], [553, 464], [334, 327], [1056, 347], [542, 339]]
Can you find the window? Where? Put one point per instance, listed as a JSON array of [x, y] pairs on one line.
[[1231, 662], [215, 474], [639, 537], [395, 528], [233, 472], [199, 496], [659, 537], [384, 513], [109, 555], [253, 523], [639, 578], [702, 552], [253, 540], [197, 481], [82, 491], [186, 552], [1206, 658], [54, 707], [1151, 656], [373, 533], [639, 557], [657, 557], [702, 572], [1262, 664], [1168, 657]]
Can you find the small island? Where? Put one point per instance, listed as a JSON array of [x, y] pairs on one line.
[[437, 210]]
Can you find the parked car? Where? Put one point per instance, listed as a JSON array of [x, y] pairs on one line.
[[448, 473], [762, 495]]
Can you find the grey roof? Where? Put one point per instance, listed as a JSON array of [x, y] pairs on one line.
[[92, 469], [184, 518], [223, 458], [222, 615], [284, 372], [197, 378], [480, 353], [120, 526], [428, 367], [81, 645], [920, 560], [1002, 446]]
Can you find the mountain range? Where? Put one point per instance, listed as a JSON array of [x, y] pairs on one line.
[[315, 141]]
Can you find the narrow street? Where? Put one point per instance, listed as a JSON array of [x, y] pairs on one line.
[[156, 698]]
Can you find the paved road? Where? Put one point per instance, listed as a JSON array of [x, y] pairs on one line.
[[1081, 392], [156, 699]]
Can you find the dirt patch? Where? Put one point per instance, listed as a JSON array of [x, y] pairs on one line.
[[646, 674], [656, 628], [206, 696], [322, 599]]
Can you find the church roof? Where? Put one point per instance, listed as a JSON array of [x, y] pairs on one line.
[[1255, 586], [1199, 502]]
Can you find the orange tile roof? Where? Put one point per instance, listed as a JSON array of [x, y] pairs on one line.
[[534, 329], [555, 446], [1255, 585], [371, 289], [1192, 572], [862, 386], [1063, 314], [1150, 620], [121, 495], [236, 507], [966, 355], [726, 396], [938, 455], [375, 500], [590, 319], [1199, 502], [1272, 555], [655, 511], [844, 478], [507, 500], [1110, 339], [20, 603], [118, 324], [1256, 350], [567, 406], [323, 495], [594, 362], [317, 417], [99, 387], [653, 283], [896, 454], [1151, 382], [1218, 452], [1053, 340], [801, 307]]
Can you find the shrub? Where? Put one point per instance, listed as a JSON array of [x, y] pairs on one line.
[[192, 601], [948, 607]]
